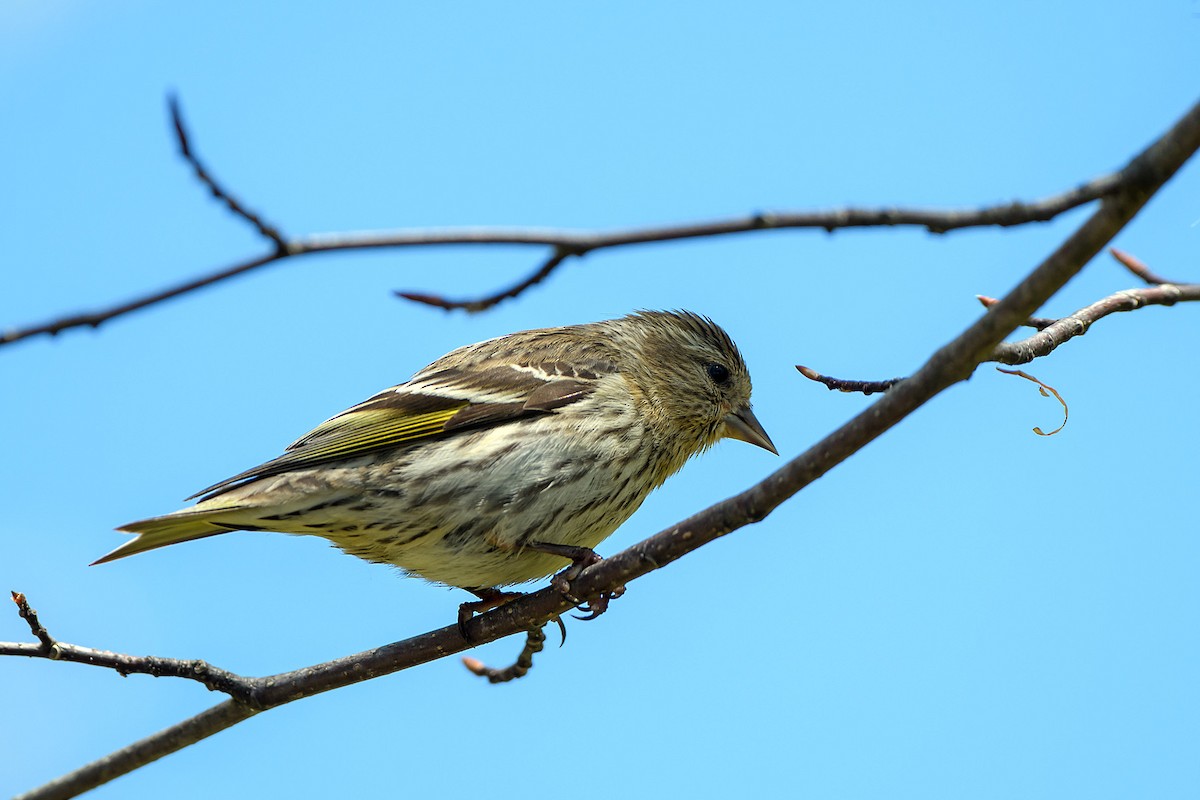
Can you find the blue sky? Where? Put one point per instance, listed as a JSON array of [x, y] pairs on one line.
[[962, 610]]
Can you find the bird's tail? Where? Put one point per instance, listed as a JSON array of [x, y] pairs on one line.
[[181, 526]]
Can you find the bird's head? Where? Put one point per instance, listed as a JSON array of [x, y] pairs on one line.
[[691, 377]]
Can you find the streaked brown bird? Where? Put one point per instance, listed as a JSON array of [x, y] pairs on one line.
[[500, 462]]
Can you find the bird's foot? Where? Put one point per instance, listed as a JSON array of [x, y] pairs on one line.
[[581, 559], [597, 605]]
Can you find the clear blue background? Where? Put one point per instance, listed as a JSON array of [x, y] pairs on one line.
[[962, 610]]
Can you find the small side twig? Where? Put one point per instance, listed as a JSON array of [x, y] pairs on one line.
[[1041, 323], [31, 618], [556, 259], [949, 365], [535, 640], [218, 191], [845, 385], [1138, 267]]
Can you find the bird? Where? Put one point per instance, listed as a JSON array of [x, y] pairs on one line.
[[499, 464]]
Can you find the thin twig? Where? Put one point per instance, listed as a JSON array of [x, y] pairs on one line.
[[535, 639], [31, 618], [484, 303], [218, 191], [1138, 267], [850, 386], [1041, 323]]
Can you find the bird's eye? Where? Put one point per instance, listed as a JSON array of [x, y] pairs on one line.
[[718, 372]]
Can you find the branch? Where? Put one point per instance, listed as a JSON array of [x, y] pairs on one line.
[[954, 362], [1051, 332], [140, 753], [238, 687], [1061, 331], [566, 242], [48, 647]]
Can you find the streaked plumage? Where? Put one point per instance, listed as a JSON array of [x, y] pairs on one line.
[[551, 436]]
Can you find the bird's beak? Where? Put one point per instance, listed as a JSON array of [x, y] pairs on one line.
[[743, 425]]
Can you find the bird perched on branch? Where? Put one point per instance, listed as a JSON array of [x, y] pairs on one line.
[[499, 463]]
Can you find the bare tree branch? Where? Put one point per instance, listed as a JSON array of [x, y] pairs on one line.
[[48, 647], [952, 363], [565, 242], [238, 687], [1051, 332], [1045, 341]]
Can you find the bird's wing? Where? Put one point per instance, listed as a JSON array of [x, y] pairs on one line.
[[434, 404]]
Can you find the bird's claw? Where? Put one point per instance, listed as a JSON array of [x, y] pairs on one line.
[[581, 559], [562, 585], [579, 562], [597, 605]]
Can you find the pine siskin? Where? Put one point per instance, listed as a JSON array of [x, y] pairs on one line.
[[499, 462]]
